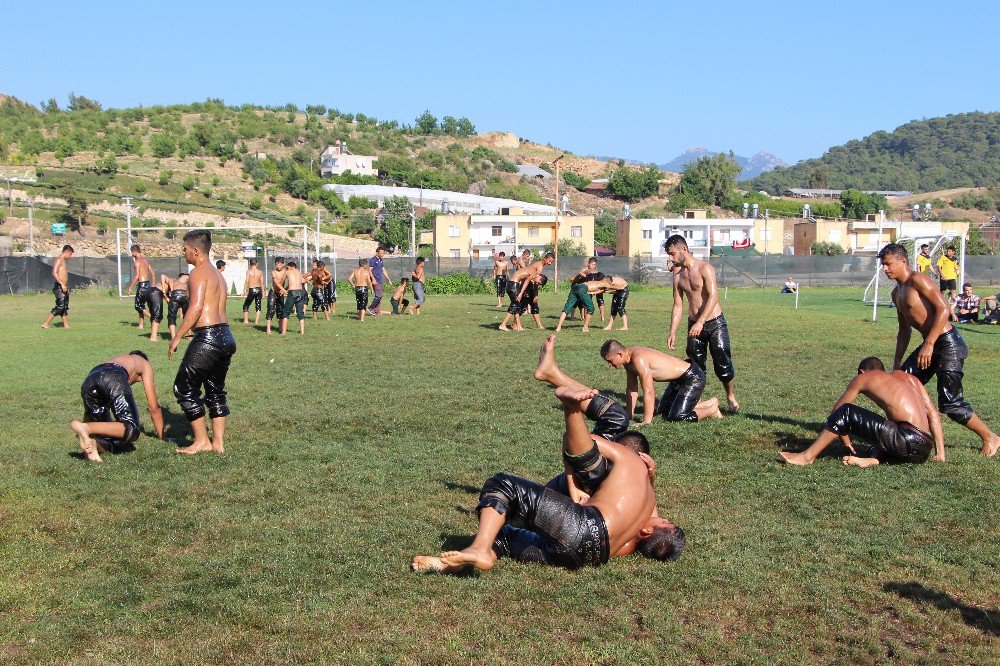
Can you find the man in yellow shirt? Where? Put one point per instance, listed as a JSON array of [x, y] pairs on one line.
[[924, 264], [948, 268]]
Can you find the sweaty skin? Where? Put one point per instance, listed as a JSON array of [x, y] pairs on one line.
[[60, 273], [920, 305], [141, 272], [360, 277], [900, 395], [644, 366], [139, 370], [295, 280]]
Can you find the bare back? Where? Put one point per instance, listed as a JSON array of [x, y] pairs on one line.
[[661, 367], [625, 497], [361, 277], [208, 288], [294, 277], [143, 271], [695, 283], [255, 279], [919, 308], [900, 395]]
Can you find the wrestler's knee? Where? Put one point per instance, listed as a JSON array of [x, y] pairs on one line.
[[958, 411], [497, 493], [131, 433], [839, 418], [190, 402]]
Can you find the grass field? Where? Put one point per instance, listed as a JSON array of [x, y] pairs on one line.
[[363, 444]]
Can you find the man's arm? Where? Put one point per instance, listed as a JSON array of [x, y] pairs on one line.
[[135, 276], [711, 299], [385, 274], [631, 391], [902, 335], [196, 290], [940, 314], [524, 288], [648, 391], [246, 283], [675, 314], [934, 418], [155, 413], [60, 264]]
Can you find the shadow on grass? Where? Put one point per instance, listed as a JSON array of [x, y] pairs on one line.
[[774, 418], [175, 427], [452, 485], [787, 441], [979, 329], [986, 621]]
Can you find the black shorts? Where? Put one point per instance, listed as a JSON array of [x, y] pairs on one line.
[[206, 363], [947, 362], [295, 299], [275, 304], [61, 308], [513, 292], [893, 442], [599, 299], [714, 338], [947, 285], [140, 294], [178, 301], [152, 299], [618, 303], [254, 295], [361, 298], [610, 418], [682, 394], [330, 292], [319, 300], [107, 398], [501, 284]]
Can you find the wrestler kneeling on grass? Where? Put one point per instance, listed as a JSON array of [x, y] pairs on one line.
[[617, 519], [111, 419], [901, 438]]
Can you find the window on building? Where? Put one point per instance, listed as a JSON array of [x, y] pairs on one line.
[[497, 231], [647, 234], [453, 253], [689, 233], [834, 235], [765, 234], [576, 232], [722, 235], [532, 231], [453, 231]]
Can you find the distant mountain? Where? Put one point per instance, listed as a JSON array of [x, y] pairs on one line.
[[751, 166], [961, 150]]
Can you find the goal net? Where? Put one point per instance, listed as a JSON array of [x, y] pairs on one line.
[[235, 245], [879, 291]]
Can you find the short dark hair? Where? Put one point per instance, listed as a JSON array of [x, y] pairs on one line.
[[967, 284], [219, 264], [674, 241], [594, 277], [180, 275], [421, 260], [405, 302], [635, 440], [362, 262], [321, 264], [279, 260], [135, 248], [924, 245], [68, 248], [406, 280], [611, 347], [592, 259], [542, 280], [200, 239], [950, 247], [502, 254], [665, 544], [292, 264], [253, 262], [549, 255], [895, 250], [871, 363], [381, 247], [140, 354]]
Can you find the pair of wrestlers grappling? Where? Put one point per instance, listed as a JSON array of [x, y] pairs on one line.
[[603, 506]]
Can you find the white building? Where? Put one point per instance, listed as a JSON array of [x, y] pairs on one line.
[[646, 237], [336, 159]]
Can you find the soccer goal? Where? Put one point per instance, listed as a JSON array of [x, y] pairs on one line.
[[260, 241], [939, 243]]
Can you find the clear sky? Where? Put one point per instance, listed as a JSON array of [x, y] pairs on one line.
[[641, 80]]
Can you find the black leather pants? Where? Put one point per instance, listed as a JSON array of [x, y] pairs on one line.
[[107, 397], [62, 301], [714, 338], [947, 362], [275, 304], [893, 442], [682, 395], [177, 302], [206, 362], [254, 295]]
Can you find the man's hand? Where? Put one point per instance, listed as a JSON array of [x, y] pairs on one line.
[[924, 358], [173, 347], [650, 466], [695, 330], [671, 341], [938, 458]]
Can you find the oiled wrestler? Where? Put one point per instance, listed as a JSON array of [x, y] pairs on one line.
[[207, 358], [617, 519], [253, 292], [177, 298], [296, 298], [110, 418], [142, 278], [276, 294], [910, 430]]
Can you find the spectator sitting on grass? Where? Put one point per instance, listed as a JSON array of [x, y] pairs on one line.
[[966, 306], [791, 286], [990, 311]]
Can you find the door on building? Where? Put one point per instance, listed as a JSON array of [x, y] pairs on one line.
[[475, 254]]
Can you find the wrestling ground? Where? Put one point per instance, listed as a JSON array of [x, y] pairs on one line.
[[352, 449]]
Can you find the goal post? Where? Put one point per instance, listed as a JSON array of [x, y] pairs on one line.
[[124, 238]]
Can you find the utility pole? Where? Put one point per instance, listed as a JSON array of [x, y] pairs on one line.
[[128, 218], [31, 225], [413, 231], [319, 215], [10, 200], [555, 283]]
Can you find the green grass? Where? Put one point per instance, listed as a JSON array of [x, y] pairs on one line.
[[363, 444]]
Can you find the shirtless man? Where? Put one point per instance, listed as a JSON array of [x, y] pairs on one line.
[[943, 352], [500, 269], [315, 278], [324, 278], [517, 285], [206, 361], [276, 294], [361, 280], [110, 418], [644, 366], [60, 289], [579, 297], [707, 328], [901, 437], [153, 301], [590, 273], [177, 298], [142, 277], [526, 299], [253, 292], [619, 518], [295, 298], [619, 286], [330, 291]]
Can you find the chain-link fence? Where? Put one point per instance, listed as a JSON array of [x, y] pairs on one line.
[[27, 274]]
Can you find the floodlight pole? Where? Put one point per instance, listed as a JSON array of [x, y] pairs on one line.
[[878, 243], [318, 215], [118, 255], [31, 226], [555, 243], [413, 231]]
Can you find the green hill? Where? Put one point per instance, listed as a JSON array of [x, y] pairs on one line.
[[960, 150]]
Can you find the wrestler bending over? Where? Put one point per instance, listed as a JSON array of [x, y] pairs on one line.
[[619, 518], [901, 437]]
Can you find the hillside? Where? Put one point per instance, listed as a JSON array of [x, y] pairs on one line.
[[955, 151], [750, 167]]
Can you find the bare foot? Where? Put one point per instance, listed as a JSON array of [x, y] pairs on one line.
[[504, 328], [197, 447], [854, 461], [546, 359], [459, 559], [570, 394], [733, 405], [87, 445], [716, 413], [45, 325], [608, 327], [558, 329], [794, 458], [426, 563], [585, 330], [218, 448], [623, 328], [991, 447]]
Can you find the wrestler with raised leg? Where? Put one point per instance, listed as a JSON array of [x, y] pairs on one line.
[[920, 305], [111, 420], [207, 358], [910, 430], [618, 519]]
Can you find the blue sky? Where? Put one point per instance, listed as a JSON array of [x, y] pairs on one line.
[[642, 80]]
